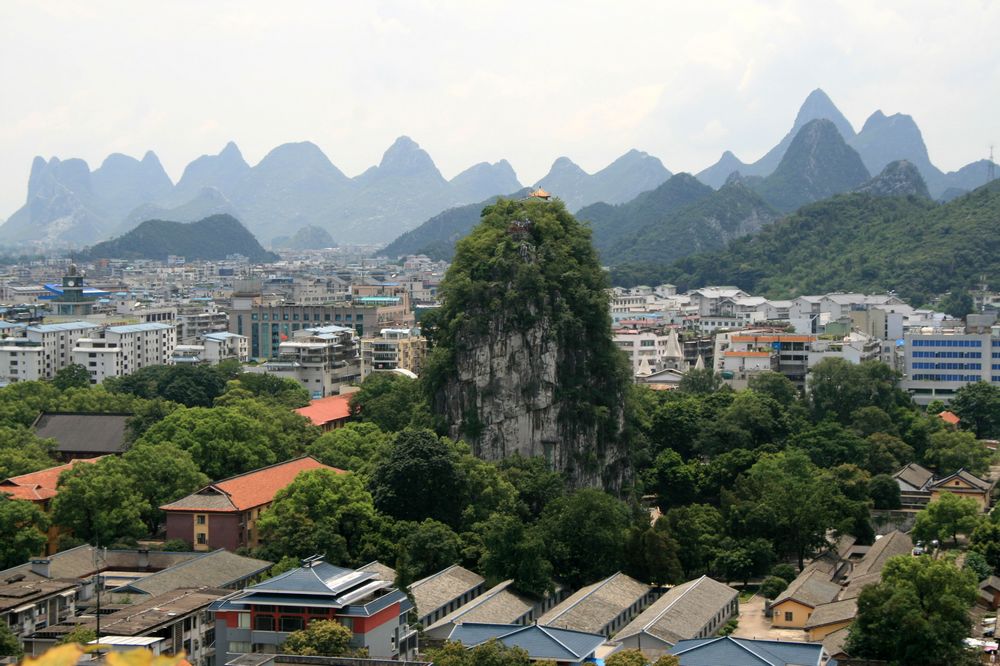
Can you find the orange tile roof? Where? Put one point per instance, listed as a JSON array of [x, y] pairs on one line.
[[949, 417], [747, 353], [325, 410], [40, 485], [249, 490]]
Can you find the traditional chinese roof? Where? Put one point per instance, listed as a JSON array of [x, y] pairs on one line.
[[327, 410], [40, 485]]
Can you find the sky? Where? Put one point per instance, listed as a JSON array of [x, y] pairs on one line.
[[481, 81]]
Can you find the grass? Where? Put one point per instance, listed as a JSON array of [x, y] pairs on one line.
[[748, 592]]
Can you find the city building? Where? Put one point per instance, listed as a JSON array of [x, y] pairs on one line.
[[57, 342], [116, 351], [393, 349], [259, 618], [267, 326], [938, 362], [83, 434], [322, 359], [224, 514]]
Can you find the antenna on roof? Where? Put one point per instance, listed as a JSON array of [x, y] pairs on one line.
[[312, 561]]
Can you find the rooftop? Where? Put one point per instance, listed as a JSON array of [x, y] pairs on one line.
[[682, 612], [140, 328], [61, 327], [218, 568], [83, 433], [40, 485], [730, 651], [593, 607], [249, 490], [326, 410], [498, 605], [438, 589], [540, 642], [810, 588]]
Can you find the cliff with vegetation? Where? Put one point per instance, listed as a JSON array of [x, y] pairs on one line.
[[523, 359]]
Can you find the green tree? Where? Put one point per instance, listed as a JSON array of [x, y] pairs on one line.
[[536, 484], [22, 531], [271, 388], [697, 527], [774, 385], [22, 452], [985, 540], [950, 451], [978, 405], [584, 531], [81, 635], [223, 441], [627, 658], [675, 481], [976, 562], [323, 638], [430, 547], [785, 571], [917, 615], [420, 478], [189, 385], [100, 502], [948, 516], [358, 447], [884, 492], [869, 420], [390, 401], [886, 454], [700, 382], [321, 511], [829, 444], [162, 473], [512, 550], [10, 646], [72, 376], [838, 388], [957, 303], [784, 497], [772, 587]]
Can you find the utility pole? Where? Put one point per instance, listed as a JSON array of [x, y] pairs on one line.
[[991, 167]]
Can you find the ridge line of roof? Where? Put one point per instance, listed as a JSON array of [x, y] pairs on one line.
[[594, 588], [546, 630], [671, 604]]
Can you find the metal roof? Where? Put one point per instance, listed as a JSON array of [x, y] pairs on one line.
[[729, 651], [538, 641], [140, 328]]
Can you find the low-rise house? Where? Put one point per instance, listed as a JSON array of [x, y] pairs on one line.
[[989, 593], [602, 608], [695, 609], [830, 617], [219, 569], [729, 651], [259, 618], [918, 486], [792, 608], [869, 569], [80, 435], [39, 488], [498, 605], [834, 643], [27, 606], [224, 514], [328, 413], [177, 617], [542, 643], [441, 593]]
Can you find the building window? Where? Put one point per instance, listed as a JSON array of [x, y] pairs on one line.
[[263, 623], [243, 621], [201, 538], [200, 519], [239, 647], [788, 616], [290, 623]]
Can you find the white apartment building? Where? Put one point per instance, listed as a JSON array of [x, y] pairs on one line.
[[223, 346], [21, 360], [322, 359], [938, 362], [191, 327], [121, 350], [57, 342], [650, 351]]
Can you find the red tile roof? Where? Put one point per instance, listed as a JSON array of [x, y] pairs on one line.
[[949, 417], [249, 490], [40, 485], [326, 410]]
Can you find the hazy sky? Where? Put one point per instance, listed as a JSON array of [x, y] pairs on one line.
[[475, 80]]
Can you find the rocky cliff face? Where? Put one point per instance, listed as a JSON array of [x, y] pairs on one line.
[[524, 361]]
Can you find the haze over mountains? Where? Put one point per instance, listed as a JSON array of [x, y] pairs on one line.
[[296, 185]]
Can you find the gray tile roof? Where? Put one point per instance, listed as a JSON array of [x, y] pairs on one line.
[[438, 589], [83, 433], [498, 605], [84, 560], [682, 612], [151, 614], [18, 593], [810, 588], [385, 573], [834, 642], [892, 544], [964, 475], [729, 651], [914, 476], [220, 568], [836, 611], [593, 607]]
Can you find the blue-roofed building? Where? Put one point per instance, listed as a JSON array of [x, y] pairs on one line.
[[117, 351], [729, 651], [48, 350], [259, 618], [563, 646]]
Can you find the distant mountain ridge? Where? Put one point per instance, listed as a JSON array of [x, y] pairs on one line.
[[212, 238]]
